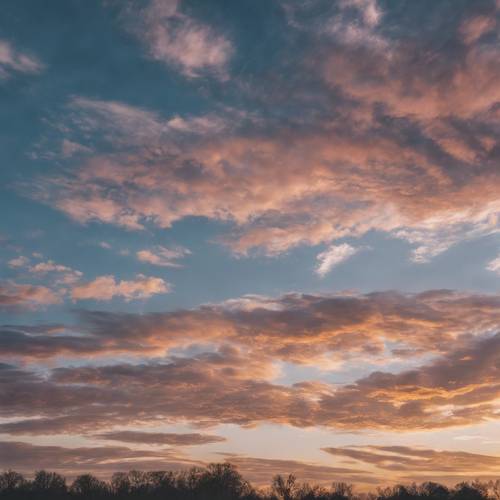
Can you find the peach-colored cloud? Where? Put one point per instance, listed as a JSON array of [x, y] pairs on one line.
[[26, 296], [260, 471], [163, 256], [160, 438], [66, 281], [305, 329], [494, 265], [65, 275], [475, 27], [106, 287], [13, 60], [290, 189], [235, 386], [103, 461], [178, 39], [406, 463], [456, 389], [333, 256], [411, 81], [19, 262], [400, 135]]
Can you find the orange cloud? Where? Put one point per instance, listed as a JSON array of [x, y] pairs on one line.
[[293, 188], [304, 329], [160, 438], [235, 386], [26, 296], [106, 287], [14, 61], [420, 464], [162, 256], [104, 460], [179, 40]]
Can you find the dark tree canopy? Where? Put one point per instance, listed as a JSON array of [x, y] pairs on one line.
[[218, 482]]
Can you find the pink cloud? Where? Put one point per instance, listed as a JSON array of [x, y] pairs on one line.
[[106, 287], [333, 256], [26, 296], [13, 60], [163, 256], [177, 39]]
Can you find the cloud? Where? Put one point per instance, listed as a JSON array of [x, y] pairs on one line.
[[369, 9], [377, 130], [260, 471], [18, 262], [397, 77], [66, 275], [68, 282], [238, 386], [162, 256], [70, 148], [458, 388], [494, 265], [333, 256], [420, 463], [16, 295], [475, 27], [106, 287], [14, 61], [179, 40], [19, 341], [103, 461], [296, 328], [160, 438], [297, 187]]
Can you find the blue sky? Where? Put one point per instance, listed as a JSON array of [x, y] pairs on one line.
[[274, 208]]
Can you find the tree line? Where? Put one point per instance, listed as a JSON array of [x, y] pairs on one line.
[[218, 482]]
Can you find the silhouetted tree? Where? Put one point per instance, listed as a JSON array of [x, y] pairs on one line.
[[49, 484], [434, 490], [12, 485], [284, 489], [466, 491], [88, 486], [341, 491], [120, 484], [222, 481], [218, 482], [494, 489]]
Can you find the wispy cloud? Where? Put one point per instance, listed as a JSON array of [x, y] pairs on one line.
[[177, 39], [163, 256], [61, 281], [333, 256], [406, 461], [494, 265], [458, 388], [17, 295], [106, 287], [160, 438], [302, 329], [103, 460], [14, 61]]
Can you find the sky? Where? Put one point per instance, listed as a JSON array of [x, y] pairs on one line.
[[257, 231]]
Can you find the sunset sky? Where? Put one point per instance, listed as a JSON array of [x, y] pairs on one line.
[[262, 231]]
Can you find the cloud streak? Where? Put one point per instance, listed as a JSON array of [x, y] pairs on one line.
[[333, 256], [106, 287], [13, 61], [179, 40], [234, 386], [297, 328]]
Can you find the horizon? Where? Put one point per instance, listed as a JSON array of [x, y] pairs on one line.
[[261, 232]]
